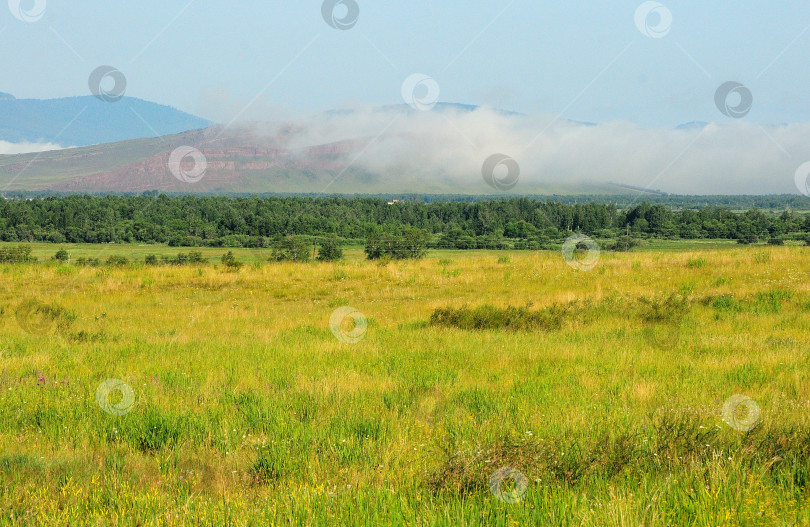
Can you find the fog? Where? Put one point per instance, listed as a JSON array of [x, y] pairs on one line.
[[736, 157]]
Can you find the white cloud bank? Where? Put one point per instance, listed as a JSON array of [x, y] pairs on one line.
[[737, 157], [7, 148]]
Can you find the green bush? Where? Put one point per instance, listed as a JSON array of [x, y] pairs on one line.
[[93, 262], [117, 260], [330, 250], [411, 244], [490, 317], [16, 254], [61, 256], [292, 249], [624, 243], [230, 261], [671, 308]]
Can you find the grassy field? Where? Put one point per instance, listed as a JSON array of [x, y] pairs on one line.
[[668, 386]]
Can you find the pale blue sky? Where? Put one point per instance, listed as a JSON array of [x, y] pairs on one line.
[[586, 60]]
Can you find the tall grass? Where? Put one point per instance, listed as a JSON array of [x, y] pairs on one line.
[[249, 410]]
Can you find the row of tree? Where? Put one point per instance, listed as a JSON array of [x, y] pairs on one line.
[[265, 222]]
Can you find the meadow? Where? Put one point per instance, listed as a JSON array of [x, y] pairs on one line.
[[667, 386]]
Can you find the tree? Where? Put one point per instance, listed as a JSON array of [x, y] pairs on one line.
[[17, 254], [292, 249], [411, 244], [330, 250], [374, 247], [415, 243]]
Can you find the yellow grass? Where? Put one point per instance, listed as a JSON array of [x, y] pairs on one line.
[[406, 425]]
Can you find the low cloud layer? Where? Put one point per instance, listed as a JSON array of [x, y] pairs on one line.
[[736, 157], [7, 148]]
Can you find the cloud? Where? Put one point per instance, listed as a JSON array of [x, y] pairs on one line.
[[450, 142], [26, 148]]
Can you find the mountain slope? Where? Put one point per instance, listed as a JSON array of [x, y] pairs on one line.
[[83, 121], [237, 162], [382, 150]]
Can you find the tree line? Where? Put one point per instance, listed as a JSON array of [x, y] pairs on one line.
[[270, 222]]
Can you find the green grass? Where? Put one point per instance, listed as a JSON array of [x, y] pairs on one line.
[[251, 407]]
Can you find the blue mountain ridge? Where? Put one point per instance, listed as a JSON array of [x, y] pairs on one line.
[[87, 120]]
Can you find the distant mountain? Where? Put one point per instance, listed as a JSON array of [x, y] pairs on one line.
[[83, 121], [694, 125], [439, 107], [240, 161], [336, 154]]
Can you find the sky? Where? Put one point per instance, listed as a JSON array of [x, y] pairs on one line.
[[637, 70], [588, 62]]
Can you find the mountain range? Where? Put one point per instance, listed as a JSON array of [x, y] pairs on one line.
[[127, 147], [87, 120]]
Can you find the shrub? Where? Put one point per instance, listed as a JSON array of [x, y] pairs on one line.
[[56, 237], [230, 261], [415, 244], [61, 256], [151, 259], [375, 247], [330, 250], [16, 254], [178, 241], [490, 317], [625, 243], [670, 308], [94, 262], [236, 240], [411, 244], [118, 260], [292, 249]]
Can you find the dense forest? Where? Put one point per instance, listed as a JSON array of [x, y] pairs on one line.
[[261, 222], [771, 202]]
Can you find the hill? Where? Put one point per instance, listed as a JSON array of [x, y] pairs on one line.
[[83, 121], [240, 161]]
